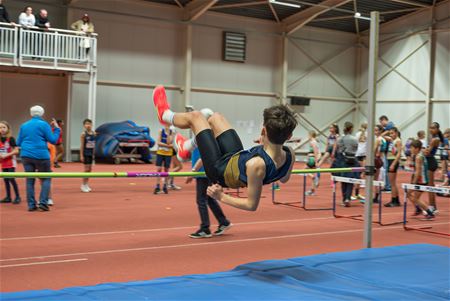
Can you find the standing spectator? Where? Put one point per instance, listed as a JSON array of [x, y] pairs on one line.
[[204, 201], [8, 152], [164, 156], [387, 126], [380, 149], [361, 136], [43, 23], [87, 27], [347, 146], [59, 146], [87, 151], [445, 153], [33, 137], [421, 137], [393, 157], [26, 18], [42, 20], [436, 139], [4, 16], [313, 159]]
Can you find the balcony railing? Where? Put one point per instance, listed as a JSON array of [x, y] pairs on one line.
[[57, 49]]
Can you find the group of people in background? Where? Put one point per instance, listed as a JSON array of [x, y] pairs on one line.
[[40, 146], [41, 21], [351, 151]]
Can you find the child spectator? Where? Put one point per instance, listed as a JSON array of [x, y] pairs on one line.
[[87, 151], [8, 152], [164, 156], [52, 151], [313, 159], [59, 146], [420, 177], [421, 137], [445, 153]]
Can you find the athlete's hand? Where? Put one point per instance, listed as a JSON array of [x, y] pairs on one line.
[[82, 159], [189, 180], [215, 191], [391, 169]]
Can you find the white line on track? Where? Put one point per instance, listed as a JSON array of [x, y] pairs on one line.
[[171, 228], [206, 243], [42, 262], [160, 229]]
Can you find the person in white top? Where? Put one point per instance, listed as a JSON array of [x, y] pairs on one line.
[[361, 136], [26, 18]]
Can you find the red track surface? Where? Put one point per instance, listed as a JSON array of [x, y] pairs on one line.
[[122, 232]]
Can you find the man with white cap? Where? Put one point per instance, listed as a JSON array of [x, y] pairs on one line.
[[32, 140]]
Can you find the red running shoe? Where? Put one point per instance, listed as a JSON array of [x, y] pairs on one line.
[[160, 101], [182, 154]]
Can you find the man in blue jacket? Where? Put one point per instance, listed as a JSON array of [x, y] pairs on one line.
[[32, 140]]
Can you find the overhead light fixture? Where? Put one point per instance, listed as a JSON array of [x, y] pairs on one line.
[[285, 3], [358, 16]]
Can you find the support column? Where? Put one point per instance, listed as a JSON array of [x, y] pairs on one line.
[[371, 98], [68, 121], [92, 96], [431, 69], [188, 66], [284, 69]]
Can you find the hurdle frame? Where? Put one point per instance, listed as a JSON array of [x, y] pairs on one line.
[[359, 217], [414, 187]]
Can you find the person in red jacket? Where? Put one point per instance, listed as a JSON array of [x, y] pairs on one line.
[[8, 152], [59, 145]]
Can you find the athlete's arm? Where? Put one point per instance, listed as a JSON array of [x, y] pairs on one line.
[[288, 174], [256, 171], [418, 170]]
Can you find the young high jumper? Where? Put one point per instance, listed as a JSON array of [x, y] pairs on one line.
[[226, 162]]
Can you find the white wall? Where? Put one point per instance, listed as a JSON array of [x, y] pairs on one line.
[[393, 88], [153, 53]]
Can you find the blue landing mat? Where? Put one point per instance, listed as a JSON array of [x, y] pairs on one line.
[[411, 272]]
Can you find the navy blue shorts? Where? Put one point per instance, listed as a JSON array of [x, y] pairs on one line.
[[160, 159]]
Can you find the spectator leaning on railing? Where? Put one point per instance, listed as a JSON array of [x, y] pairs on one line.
[[26, 18], [42, 19], [4, 16], [86, 26]]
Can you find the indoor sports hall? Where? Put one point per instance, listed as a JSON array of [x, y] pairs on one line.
[[224, 150]]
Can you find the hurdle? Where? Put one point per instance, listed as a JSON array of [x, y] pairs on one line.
[[297, 204], [414, 187], [358, 217]]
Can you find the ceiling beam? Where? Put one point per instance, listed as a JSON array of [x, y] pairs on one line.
[[411, 2], [300, 19], [240, 4], [178, 3], [274, 12], [196, 8]]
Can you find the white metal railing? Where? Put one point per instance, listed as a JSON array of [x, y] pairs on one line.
[[49, 49]]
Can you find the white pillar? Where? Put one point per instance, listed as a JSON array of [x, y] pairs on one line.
[[431, 68], [284, 69], [188, 66], [371, 100], [92, 97]]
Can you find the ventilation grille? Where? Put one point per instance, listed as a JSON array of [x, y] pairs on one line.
[[234, 46]]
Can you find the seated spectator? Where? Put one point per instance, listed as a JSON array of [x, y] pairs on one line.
[[26, 18], [42, 19]]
